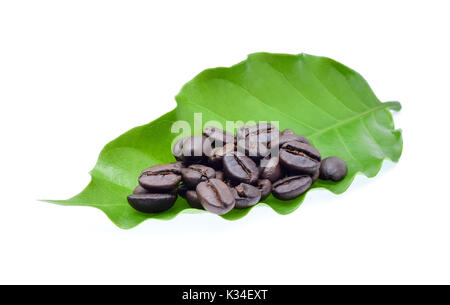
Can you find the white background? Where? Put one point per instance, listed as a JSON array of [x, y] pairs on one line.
[[76, 74]]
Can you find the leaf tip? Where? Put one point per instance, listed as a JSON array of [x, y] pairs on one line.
[[396, 106]]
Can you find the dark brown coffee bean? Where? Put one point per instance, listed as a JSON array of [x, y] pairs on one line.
[[291, 187], [252, 148], [270, 168], [265, 187], [164, 177], [288, 138], [218, 136], [333, 168], [139, 190], [196, 173], [246, 195], [230, 182], [179, 164], [192, 149], [262, 132], [254, 140], [174, 167], [300, 158], [152, 202], [240, 168], [215, 196], [220, 175], [217, 154], [315, 176], [182, 189], [177, 150], [192, 200], [286, 132]]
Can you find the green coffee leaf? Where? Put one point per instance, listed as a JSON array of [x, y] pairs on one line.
[[330, 104]]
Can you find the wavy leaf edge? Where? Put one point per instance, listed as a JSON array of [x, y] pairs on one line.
[[392, 105]]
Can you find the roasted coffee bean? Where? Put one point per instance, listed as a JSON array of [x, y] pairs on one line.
[[253, 140], [265, 187], [218, 136], [286, 132], [216, 157], [291, 187], [192, 200], [240, 168], [174, 167], [215, 196], [262, 132], [221, 171], [270, 168], [300, 158], [252, 148], [139, 190], [316, 175], [288, 138], [220, 175], [246, 195], [177, 150], [191, 149], [230, 182], [196, 173], [333, 168], [182, 189], [152, 202], [242, 132], [162, 177], [179, 164]]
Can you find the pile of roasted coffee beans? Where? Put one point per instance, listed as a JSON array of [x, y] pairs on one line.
[[218, 171]]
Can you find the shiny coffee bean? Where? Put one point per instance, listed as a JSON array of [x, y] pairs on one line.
[[253, 140], [218, 136], [139, 190], [220, 175], [300, 158], [270, 168], [286, 132], [182, 189], [262, 132], [240, 168], [316, 175], [291, 187], [246, 195], [164, 177], [192, 149], [220, 171], [177, 150], [333, 168], [288, 138], [230, 182], [216, 157], [265, 187], [192, 200], [215, 196], [179, 164], [152, 202], [196, 173], [252, 148]]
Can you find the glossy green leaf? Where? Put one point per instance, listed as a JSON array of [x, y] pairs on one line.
[[318, 97]]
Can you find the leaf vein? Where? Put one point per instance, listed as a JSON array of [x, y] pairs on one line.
[[380, 148], [341, 138], [265, 104], [304, 97], [329, 91]]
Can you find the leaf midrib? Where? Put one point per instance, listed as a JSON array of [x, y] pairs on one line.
[[318, 131]]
